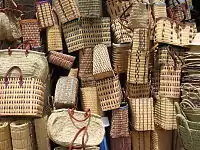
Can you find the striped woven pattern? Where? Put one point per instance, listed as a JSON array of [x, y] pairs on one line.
[[159, 10], [5, 138], [138, 90]]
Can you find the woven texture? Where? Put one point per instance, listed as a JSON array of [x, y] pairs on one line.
[[159, 10], [86, 33], [66, 92], [142, 113], [87, 148], [138, 90], [22, 135], [109, 93], [60, 59], [61, 119], [5, 138], [123, 143]]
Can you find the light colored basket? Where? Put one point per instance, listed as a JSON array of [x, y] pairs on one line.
[[138, 90], [122, 143], [101, 63], [73, 72], [87, 33], [142, 113], [5, 138], [43, 141], [159, 10], [109, 93], [22, 135], [87, 148]]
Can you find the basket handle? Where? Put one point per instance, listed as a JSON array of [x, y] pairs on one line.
[[186, 102], [27, 44], [87, 115], [9, 71]]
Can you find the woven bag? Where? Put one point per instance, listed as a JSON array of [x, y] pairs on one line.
[[170, 32], [159, 10], [120, 122], [73, 72], [60, 59], [88, 81], [87, 33], [101, 63], [109, 93], [66, 92], [122, 143], [142, 113], [22, 134], [5, 138], [77, 125], [21, 96], [138, 90]]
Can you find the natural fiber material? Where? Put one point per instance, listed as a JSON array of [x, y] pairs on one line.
[[109, 93], [34, 64], [122, 143], [87, 148], [88, 82], [138, 90], [61, 119], [31, 31], [22, 135], [73, 72], [169, 32], [142, 113], [60, 59], [120, 122], [5, 138], [101, 63], [87, 33], [43, 141], [66, 92], [90, 100], [54, 38], [159, 10], [45, 14]]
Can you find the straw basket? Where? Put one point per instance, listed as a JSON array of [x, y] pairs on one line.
[[101, 63], [88, 81], [45, 14], [122, 143], [159, 10], [66, 92], [87, 33], [87, 148], [120, 122], [22, 135], [73, 122], [90, 100], [5, 139], [169, 32], [43, 142], [31, 31], [142, 113], [73, 72], [109, 93], [138, 90]]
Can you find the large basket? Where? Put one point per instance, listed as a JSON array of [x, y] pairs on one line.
[[87, 33], [138, 90], [5, 138], [122, 143], [159, 10], [142, 113]]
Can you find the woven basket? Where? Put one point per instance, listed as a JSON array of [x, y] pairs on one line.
[[88, 81], [5, 138], [45, 14], [122, 143], [62, 119], [22, 135], [87, 148], [73, 72], [66, 92], [109, 93], [169, 32], [90, 100], [31, 31], [60, 59], [138, 90], [101, 63], [87, 33], [120, 57], [120, 123], [43, 142], [142, 113], [159, 10]]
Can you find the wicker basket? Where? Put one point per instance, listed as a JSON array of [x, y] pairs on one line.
[[120, 57], [60, 59], [43, 141], [88, 81], [5, 138], [159, 10], [122, 143], [87, 148], [142, 113], [90, 100], [109, 93], [31, 31], [101, 63], [45, 14], [73, 72], [22, 134], [87, 33], [138, 90]]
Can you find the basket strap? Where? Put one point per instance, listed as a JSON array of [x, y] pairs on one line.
[[87, 115]]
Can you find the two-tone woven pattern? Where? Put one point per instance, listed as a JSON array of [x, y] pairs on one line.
[[169, 32], [120, 143], [142, 113], [88, 81], [22, 135], [138, 90], [5, 138], [159, 10], [54, 38], [45, 14], [120, 122], [109, 93], [31, 31], [86, 33], [60, 59]]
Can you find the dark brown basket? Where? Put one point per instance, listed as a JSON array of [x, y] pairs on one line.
[[123, 143]]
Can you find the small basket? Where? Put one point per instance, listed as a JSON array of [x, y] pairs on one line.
[[122, 143], [138, 90], [159, 10], [5, 138]]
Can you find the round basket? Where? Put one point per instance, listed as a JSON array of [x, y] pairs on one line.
[[5, 138]]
